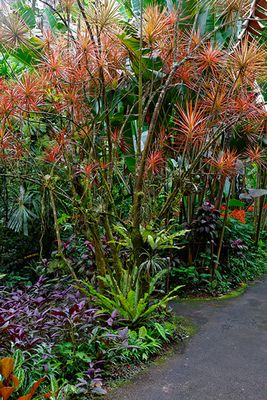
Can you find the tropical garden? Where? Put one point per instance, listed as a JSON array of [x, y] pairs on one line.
[[132, 171]]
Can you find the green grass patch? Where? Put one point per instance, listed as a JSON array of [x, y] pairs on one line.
[[227, 296]]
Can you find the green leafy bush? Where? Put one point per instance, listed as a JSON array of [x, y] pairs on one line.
[[126, 296]]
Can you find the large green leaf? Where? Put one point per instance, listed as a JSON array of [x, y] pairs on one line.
[[235, 203], [54, 22], [26, 13]]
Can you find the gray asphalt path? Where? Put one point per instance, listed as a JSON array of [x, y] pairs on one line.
[[225, 360]]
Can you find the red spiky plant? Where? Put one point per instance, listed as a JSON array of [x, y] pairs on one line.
[[190, 127], [224, 166], [209, 59], [112, 122]]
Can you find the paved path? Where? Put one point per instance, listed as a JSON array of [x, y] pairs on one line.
[[225, 360]]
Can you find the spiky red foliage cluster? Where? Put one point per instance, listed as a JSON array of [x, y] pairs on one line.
[[155, 162], [74, 76], [225, 163], [190, 125]]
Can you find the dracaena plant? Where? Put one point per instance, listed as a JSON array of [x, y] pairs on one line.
[[129, 123]]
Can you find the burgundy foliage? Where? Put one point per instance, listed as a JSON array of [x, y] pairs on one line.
[[46, 312]]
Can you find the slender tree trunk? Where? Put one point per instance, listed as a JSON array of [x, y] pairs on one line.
[[218, 202], [216, 265], [101, 259], [57, 229], [117, 264], [261, 205]]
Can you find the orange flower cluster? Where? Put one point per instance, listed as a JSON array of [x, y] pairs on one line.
[[240, 215]]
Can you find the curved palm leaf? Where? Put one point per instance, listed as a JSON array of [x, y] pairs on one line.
[[23, 211]]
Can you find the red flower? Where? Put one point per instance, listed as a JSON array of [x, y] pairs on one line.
[[239, 215]]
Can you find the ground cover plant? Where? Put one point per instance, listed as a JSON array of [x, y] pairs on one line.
[[55, 333], [132, 162]]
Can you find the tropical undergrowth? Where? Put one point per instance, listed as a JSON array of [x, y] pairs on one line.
[[54, 332], [241, 261]]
